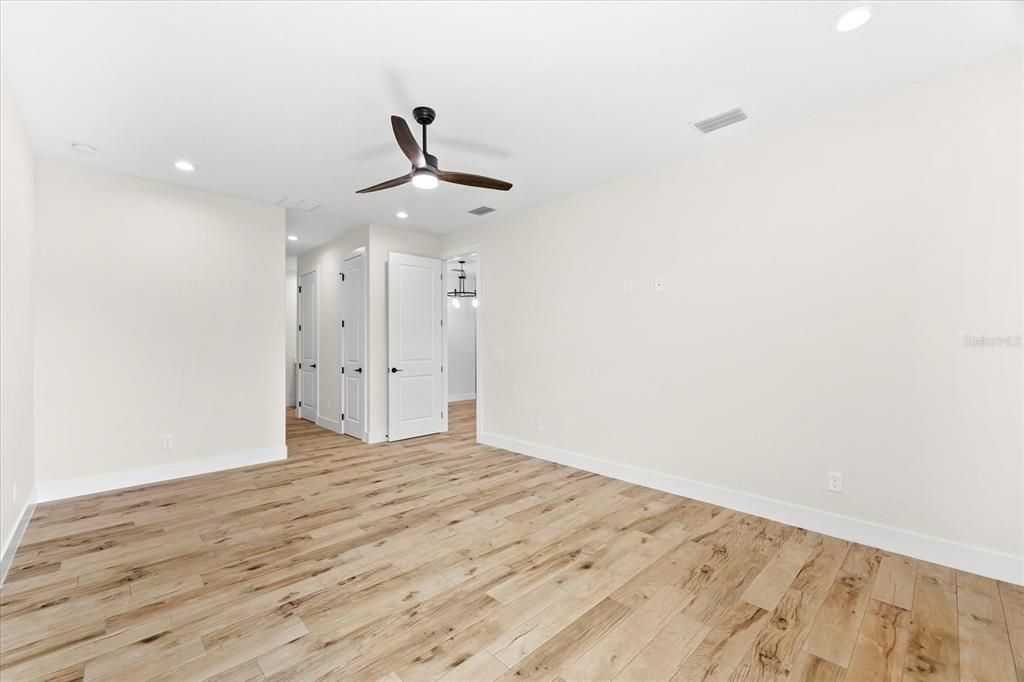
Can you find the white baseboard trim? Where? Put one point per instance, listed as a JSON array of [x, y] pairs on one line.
[[374, 437], [330, 424], [59, 490], [461, 396], [11, 548], [935, 550]]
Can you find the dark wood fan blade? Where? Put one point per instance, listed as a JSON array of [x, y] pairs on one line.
[[407, 142], [474, 180], [387, 184]]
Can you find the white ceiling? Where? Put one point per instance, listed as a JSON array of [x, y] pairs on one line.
[[269, 99]]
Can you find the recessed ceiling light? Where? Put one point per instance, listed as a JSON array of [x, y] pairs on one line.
[[292, 238], [402, 214], [853, 19], [184, 165], [83, 148]]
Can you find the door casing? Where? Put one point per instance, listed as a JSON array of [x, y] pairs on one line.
[[308, 365], [354, 319], [415, 320]]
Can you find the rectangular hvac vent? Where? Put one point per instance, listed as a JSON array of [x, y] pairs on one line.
[[298, 204], [482, 210], [721, 120]]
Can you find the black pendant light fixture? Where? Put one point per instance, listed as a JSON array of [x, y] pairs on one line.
[[460, 291]]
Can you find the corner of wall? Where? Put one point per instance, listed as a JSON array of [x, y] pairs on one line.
[[17, 334]]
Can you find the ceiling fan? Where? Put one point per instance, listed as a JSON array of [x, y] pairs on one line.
[[425, 174]]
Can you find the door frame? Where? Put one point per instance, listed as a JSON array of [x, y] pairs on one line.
[[447, 256], [316, 340], [444, 337], [359, 251]]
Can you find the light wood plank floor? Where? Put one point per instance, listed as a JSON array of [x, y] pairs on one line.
[[438, 558]]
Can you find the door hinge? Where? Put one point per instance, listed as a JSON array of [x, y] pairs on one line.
[[342, 416], [342, 370], [343, 323], [442, 368], [300, 327], [300, 365], [300, 403], [442, 323], [342, 276], [300, 290]]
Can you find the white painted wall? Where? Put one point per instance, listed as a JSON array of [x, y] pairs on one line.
[[327, 261], [158, 312], [17, 449], [819, 281], [291, 293], [461, 341]]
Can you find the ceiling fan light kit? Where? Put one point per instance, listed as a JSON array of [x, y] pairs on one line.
[[426, 173], [424, 178]]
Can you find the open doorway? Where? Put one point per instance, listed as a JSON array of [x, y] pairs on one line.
[[462, 276]]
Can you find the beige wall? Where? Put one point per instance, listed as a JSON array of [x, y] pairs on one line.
[[159, 312], [17, 458], [819, 281]]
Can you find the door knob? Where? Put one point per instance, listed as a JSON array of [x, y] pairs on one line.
[[313, 365], [395, 369], [360, 370]]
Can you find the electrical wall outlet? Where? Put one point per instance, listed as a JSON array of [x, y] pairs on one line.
[[835, 481], [659, 285], [540, 425], [168, 442], [627, 287]]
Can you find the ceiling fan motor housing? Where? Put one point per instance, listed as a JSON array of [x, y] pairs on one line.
[[424, 115]]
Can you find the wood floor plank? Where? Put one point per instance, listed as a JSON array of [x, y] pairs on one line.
[[670, 646], [774, 581], [237, 653], [810, 668], [1013, 610], [441, 558], [724, 647], [933, 652], [834, 632], [614, 651], [895, 582], [776, 649], [881, 644], [552, 657], [985, 652]]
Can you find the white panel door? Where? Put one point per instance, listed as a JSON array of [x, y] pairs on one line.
[[307, 346], [416, 400], [353, 364]]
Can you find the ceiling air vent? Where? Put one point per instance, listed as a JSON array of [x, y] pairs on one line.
[[720, 121], [298, 204], [482, 210]]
